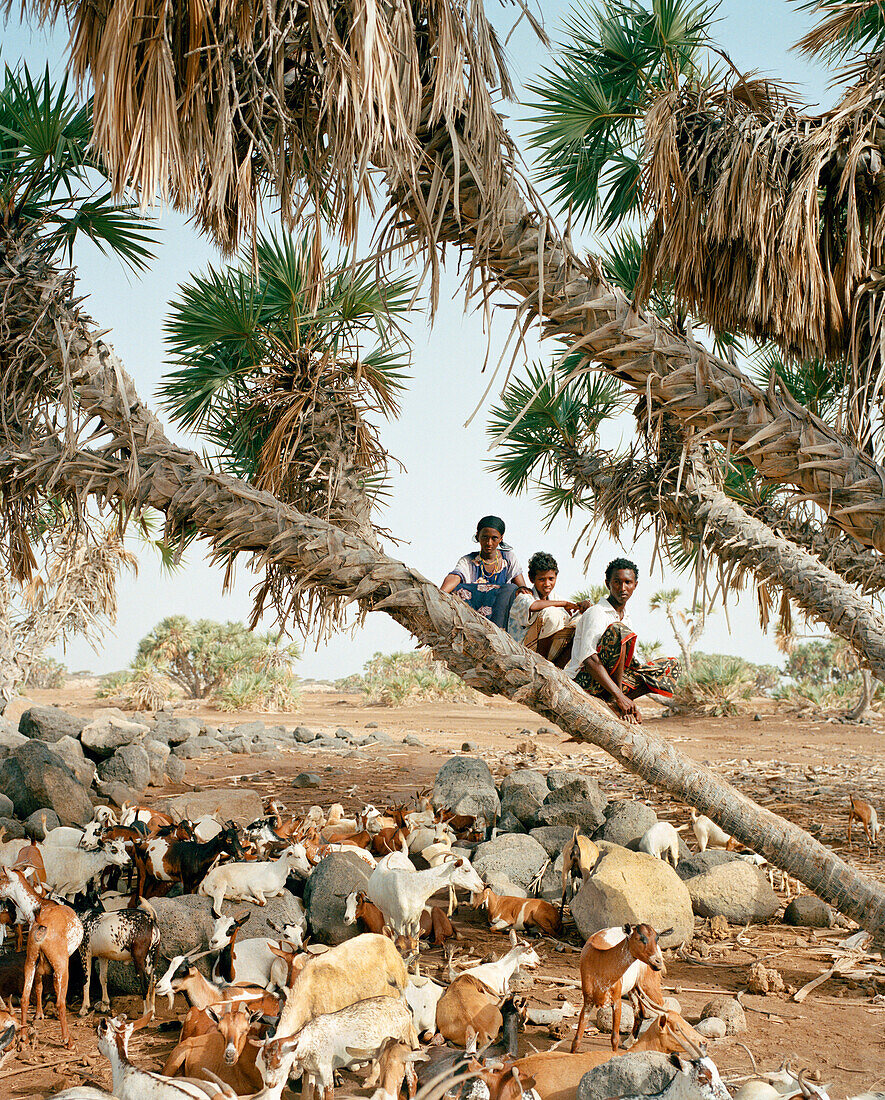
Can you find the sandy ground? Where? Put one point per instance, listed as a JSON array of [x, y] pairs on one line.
[[798, 767]]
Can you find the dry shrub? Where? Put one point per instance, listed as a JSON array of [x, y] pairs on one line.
[[717, 684], [397, 679]]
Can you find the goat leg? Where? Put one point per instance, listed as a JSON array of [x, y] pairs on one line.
[[105, 1005], [579, 1031], [87, 966]]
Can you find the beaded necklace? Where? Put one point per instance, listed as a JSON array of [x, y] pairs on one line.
[[497, 564]]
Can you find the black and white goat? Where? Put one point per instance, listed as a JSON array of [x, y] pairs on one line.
[[124, 935]]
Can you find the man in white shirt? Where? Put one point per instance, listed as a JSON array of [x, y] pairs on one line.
[[602, 659]]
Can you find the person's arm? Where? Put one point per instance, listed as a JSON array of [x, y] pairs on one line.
[[600, 674], [539, 605], [451, 582]]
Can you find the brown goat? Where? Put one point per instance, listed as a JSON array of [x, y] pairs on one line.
[[224, 1051], [505, 913], [469, 1009], [602, 971], [865, 813]]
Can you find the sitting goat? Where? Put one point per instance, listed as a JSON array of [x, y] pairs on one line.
[[252, 960]]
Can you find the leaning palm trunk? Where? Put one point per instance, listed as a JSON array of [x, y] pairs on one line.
[[309, 94], [742, 543], [54, 358]]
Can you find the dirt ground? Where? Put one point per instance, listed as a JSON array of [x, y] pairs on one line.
[[801, 768]]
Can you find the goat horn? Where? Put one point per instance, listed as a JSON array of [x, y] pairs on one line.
[[750, 1053], [690, 1047], [644, 998]]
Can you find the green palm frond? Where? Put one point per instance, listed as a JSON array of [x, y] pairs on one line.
[[50, 179], [591, 102], [845, 28], [817, 384]]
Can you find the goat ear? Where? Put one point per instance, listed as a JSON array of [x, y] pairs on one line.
[[666, 932], [240, 921], [211, 1011], [628, 928]]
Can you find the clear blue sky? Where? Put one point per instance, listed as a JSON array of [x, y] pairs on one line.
[[445, 486]]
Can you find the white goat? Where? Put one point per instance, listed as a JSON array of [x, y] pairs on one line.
[[707, 832], [401, 895], [253, 881], [422, 995], [69, 871], [496, 976], [662, 842], [66, 836], [252, 962]]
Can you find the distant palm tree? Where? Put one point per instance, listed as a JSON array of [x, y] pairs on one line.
[[690, 625]]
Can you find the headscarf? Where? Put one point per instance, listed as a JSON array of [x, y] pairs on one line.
[[490, 521]]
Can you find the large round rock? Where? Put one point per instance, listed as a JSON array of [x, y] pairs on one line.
[[738, 891], [810, 912], [630, 1075], [698, 863], [626, 821], [33, 776], [516, 856], [632, 887], [130, 765], [186, 923], [111, 731], [464, 785], [325, 895], [49, 724]]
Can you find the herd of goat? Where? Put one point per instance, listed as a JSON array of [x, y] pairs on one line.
[[271, 1010]]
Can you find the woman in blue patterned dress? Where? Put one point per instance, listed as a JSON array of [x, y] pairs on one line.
[[488, 579]]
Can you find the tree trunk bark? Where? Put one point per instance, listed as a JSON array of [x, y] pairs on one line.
[[863, 704], [741, 541], [139, 467]]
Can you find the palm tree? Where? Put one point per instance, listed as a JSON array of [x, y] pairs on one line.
[[692, 621], [430, 127]]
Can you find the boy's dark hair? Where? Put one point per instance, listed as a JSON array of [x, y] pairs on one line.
[[619, 563], [541, 562]]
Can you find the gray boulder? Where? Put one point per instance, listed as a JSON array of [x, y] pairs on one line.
[[632, 887], [241, 804], [188, 750], [698, 863], [558, 777], [605, 1019], [810, 912], [34, 826], [239, 745], [12, 829], [643, 1074], [130, 764], [508, 823], [464, 785], [111, 731], [158, 753], [626, 821], [551, 881], [578, 789], [729, 1010], [501, 885], [738, 891], [9, 740], [71, 751], [516, 856], [304, 735], [175, 769], [307, 780], [525, 777], [175, 730], [553, 838], [280, 910], [587, 816], [33, 776], [185, 922], [325, 895], [49, 724], [112, 790], [521, 802], [6, 807], [250, 729], [413, 741]]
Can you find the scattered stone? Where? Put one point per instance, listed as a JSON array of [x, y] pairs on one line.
[[711, 1028], [250, 729], [380, 737], [158, 753], [645, 1074], [550, 888], [371, 725], [307, 779], [810, 912], [304, 735], [109, 732], [10, 740], [174, 730], [240, 745], [605, 1019], [516, 856], [240, 805], [415, 742], [343, 734], [764, 980], [470, 746], [325, 895], [719, 927], [738, 891], [34, 776], [49, 724], [465, 785], [523, 981], [558, 777], [698, 863], [129, 764], [6, 807], [115, 791], [553, 838], [520, 802], [188, 750], [280, 910], [34, 826], [626, 820], [12, 829], [729, 1010], [632, 887], [532, 780], [175, 769]]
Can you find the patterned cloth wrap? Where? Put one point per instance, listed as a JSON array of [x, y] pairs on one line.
[[658, 676], [493, 601]]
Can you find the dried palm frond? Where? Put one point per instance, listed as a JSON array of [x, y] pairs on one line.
[[213, 104], [772, 223]]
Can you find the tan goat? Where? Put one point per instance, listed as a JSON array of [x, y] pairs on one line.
[[469, 1009], [224, 1050], [505, 913]]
